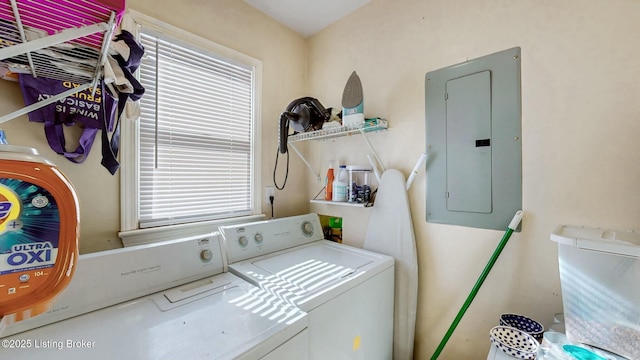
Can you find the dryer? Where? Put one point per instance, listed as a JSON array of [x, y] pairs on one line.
[[347, 292], [161, 301]]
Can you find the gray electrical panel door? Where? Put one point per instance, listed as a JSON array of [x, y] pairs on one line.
[[473, 125], [468, 120]]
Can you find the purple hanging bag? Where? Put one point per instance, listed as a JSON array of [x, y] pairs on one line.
[[92, 112]]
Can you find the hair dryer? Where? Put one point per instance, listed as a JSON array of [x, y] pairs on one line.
[[304, 114]]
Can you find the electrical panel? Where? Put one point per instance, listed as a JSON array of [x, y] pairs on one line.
[[473, 133]]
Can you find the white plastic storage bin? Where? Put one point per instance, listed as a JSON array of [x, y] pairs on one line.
[[359, 188], [600, 280]]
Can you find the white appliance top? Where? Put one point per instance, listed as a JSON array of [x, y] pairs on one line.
[[191, 314], [614, 242], [110, 277], [289, 258], [230, 320]]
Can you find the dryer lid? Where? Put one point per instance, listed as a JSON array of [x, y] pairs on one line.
[[310, 268]]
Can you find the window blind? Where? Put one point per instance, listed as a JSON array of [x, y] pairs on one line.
[[195, 134]]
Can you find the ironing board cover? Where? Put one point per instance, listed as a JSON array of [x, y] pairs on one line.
[[390, 232]]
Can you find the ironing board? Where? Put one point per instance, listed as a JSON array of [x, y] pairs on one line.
[[390, 232]]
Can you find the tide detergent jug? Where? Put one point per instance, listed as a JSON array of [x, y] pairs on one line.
[[39, 227]]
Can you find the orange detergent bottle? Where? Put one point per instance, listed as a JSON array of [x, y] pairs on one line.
[[39, 223]]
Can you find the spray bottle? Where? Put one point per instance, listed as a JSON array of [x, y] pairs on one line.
[[328, 192]]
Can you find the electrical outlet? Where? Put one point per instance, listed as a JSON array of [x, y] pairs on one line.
[[269, 192]]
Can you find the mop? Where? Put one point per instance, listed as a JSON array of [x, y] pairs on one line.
[[505, 238]]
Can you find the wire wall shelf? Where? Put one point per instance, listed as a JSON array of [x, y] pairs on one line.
[[332, 132], [339, 131]]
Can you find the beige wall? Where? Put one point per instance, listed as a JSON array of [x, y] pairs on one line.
[[580, 91], [580, 131], [229, 22]]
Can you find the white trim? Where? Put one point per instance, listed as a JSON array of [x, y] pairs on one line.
[[129, 156]]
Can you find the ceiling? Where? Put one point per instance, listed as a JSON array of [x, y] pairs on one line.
[[307, 17]]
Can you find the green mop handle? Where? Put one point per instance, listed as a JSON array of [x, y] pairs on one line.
[[505, 238]]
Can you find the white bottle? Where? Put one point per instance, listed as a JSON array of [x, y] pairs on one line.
[[340, 184]]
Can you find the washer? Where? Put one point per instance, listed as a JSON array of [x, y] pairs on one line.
[[165, 301], [346, 292]]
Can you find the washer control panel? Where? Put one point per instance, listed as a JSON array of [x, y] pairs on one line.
[[244, 241]]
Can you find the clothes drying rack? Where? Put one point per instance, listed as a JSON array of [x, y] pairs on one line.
[[65, 40]]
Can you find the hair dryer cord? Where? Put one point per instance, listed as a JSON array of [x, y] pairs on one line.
[[286, 175]]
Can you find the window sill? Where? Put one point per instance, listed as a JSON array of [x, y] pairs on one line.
[[173, 232]]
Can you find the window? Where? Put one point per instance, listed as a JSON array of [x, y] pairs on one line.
[[195, 141]]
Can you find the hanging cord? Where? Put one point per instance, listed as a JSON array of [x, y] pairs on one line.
[[319, 192], [286, 175], [271, 199]]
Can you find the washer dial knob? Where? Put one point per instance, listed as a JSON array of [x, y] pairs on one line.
[[242, 240], [307, 228], [258, 238], [206, 255]]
